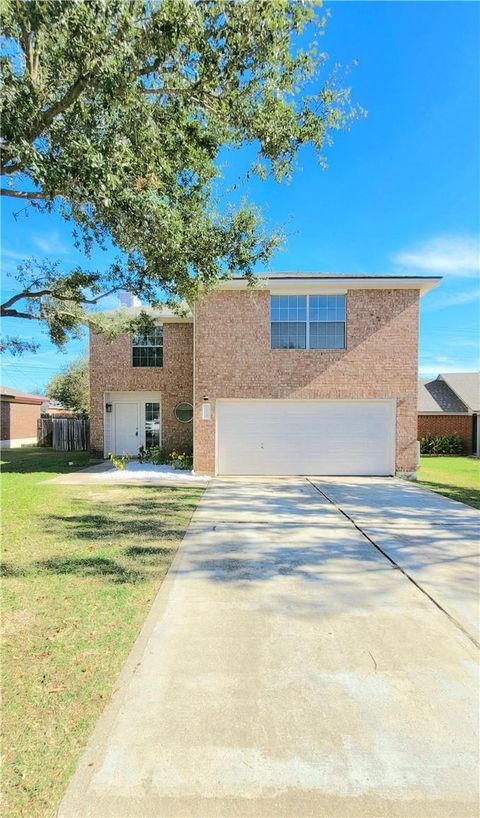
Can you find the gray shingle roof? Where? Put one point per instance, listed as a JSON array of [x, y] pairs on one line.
[[436, 396], [466, 385]]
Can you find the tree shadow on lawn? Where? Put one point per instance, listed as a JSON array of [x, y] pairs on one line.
[[100, 527], [8, 569], [462, 494], [91, 567], [42, 460], [149, 554], [138, 520], [162, 515], [102, 567]]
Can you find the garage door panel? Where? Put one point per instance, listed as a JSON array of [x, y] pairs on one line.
[[305, 437]]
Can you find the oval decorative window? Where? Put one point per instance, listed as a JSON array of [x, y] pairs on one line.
[[184, 412]]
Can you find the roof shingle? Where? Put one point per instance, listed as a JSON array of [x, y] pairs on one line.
[[436, 396]]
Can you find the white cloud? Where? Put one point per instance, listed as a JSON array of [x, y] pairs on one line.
[[453, 255], [452, 299], [50, 243], [12, 254]]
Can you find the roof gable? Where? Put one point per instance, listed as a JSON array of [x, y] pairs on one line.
[[436, 396], [466, 386]]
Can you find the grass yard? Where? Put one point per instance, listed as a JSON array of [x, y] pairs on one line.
[[81, 567], [455, 477]]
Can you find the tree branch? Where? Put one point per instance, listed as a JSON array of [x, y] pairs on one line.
[[70, 96], [24, 194], [27, 43], [16, 314], [16, 167], [31, 294]]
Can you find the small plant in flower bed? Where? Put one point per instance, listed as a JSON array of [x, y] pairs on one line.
[[159, 457], [181, 460], [120, 461], [153, 454], [442, 444]]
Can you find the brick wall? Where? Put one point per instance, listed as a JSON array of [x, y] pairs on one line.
[[111, 370], [234, 360], [19, 420], [447, 425]]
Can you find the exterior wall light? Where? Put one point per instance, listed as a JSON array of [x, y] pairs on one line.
[[206, 409]]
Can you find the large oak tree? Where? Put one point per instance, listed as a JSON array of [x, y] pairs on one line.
[[114, 113]]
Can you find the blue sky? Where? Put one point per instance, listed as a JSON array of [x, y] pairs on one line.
[[400, 194]]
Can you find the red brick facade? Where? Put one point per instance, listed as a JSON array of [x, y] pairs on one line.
[[111, 370], [447, 425], [233, 359]]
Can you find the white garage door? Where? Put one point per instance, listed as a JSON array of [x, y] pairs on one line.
[[275, 437]]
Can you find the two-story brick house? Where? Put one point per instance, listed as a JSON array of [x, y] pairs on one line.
[[301, 374]]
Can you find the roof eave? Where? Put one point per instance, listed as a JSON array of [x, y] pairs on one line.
[[339, 284]]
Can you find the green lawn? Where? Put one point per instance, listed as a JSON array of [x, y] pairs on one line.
[[455, 477], [81, 566]]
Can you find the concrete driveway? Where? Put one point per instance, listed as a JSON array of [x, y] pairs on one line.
[[290, 668]]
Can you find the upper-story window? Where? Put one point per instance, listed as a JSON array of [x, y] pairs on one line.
[[289, 321], [307, 321], [147, 350]]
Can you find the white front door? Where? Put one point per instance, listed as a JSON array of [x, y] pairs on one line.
[[328, 437], [126, 418]]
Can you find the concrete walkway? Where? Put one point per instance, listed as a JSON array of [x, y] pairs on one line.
[[287, 668]]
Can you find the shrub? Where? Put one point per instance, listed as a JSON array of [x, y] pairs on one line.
[[120, 461], [160, 457], [442, 444], [154, 454]]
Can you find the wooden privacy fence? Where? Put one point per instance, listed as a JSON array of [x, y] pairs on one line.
[[64, 434]]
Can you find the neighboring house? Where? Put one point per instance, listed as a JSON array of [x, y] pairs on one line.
[[301, 374], [450, 404], [55, 409], [19, 415]]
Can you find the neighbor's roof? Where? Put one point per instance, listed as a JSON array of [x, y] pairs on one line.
[[21, 397], [436, 396], [466, 386]]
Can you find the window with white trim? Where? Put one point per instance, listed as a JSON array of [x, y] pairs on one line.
[[326, 315], [147, 350], [307, 321], [152, 424]]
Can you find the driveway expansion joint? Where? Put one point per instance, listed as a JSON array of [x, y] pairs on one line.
[[396, 565]]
